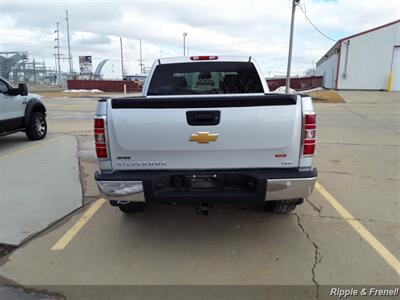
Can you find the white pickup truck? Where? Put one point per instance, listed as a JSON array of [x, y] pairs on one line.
[[21, 111], [206, 130]]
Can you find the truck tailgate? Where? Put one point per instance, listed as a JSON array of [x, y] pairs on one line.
[[253, 131]]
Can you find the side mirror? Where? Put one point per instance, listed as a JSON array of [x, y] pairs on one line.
[[22, 89]]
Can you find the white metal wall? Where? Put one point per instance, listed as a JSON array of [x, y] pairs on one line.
[[328, 70], [369, 59], [396, 69]]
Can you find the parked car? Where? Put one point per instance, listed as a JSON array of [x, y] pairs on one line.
[[206, 130], [21, 111]]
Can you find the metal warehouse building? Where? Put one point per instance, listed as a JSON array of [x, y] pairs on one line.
[[369, 60]]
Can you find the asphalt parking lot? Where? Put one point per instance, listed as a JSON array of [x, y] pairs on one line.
[[346, 233]]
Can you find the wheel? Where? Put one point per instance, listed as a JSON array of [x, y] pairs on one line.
[[37, 126], [282, 207], [132, 207]]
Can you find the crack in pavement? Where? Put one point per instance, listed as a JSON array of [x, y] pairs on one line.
[[369, 119], [81, 179], [314, 207], [317, 255], [349, 219], [356, 175]]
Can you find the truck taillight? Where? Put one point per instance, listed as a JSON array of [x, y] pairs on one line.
[[309, 139], [204, 57], [100, 138]]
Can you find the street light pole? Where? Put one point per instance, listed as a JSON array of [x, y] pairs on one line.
[[122, 59], [69, 47], [140, 57], [184, 43], [294, 3]]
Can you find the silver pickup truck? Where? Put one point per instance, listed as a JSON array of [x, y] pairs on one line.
[[206, 130]]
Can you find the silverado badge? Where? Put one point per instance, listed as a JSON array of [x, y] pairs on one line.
[[204, 137]]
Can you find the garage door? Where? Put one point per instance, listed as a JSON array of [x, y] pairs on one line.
[[396, 69]]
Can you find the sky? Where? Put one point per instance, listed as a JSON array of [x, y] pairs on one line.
[[259, 28]]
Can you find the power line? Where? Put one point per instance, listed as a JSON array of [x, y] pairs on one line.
[[315, 27]]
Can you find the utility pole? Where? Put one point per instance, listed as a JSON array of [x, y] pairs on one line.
[[55, 65], [184, 43], [122, 59], [44, 71], [140, 57], [69, 47], [58, 52], [24, 68], [34, 72], [294, 3]]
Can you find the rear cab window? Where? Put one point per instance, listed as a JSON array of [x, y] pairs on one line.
[[205, 78]]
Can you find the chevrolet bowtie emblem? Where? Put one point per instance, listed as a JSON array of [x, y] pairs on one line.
[[204, 137]]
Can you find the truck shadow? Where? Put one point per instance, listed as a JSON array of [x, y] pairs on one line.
[[182, 225]]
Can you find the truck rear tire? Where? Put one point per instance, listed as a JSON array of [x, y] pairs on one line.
[[37, 126], [282, 207], [132, 207]]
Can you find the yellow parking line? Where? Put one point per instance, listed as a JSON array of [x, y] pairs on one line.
[[70, 234], [361, 230], [30, 147]]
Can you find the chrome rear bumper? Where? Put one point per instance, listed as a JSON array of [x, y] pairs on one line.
[[122, 190], [273, 186], [289, 188]]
